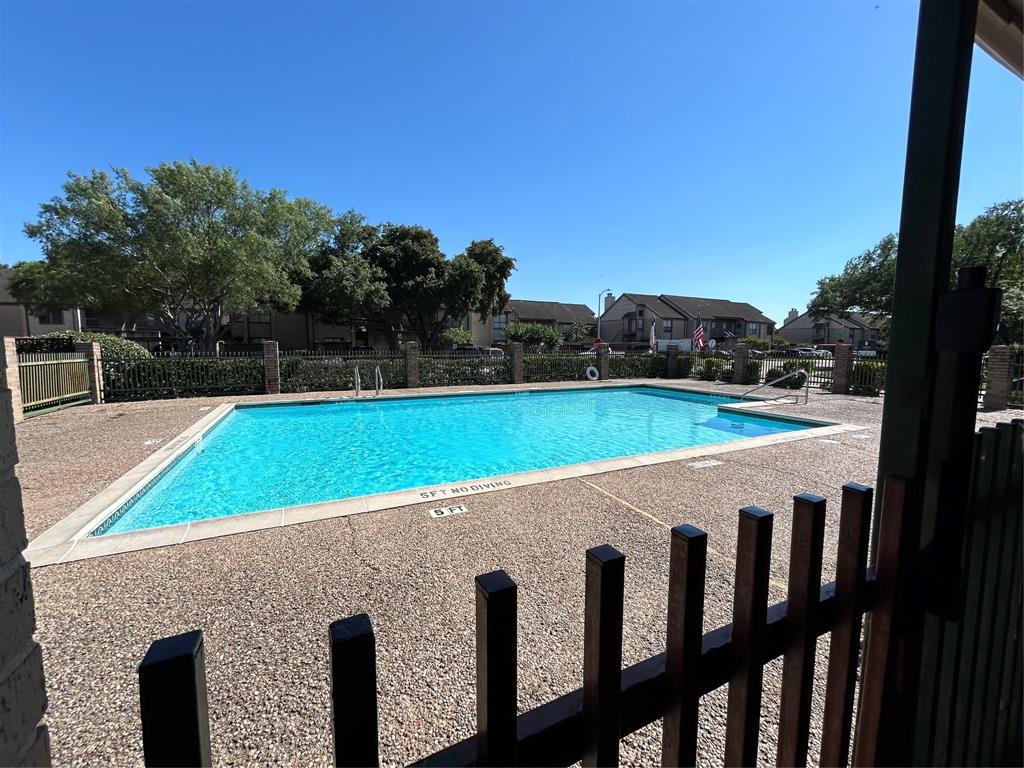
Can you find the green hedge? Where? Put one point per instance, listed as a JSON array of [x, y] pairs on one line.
[[711, 369], [868, 378], [331, 373], [64, 341], [638, 365], [461, 370]]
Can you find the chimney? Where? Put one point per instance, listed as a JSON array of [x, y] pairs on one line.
[[609, 299], [793, 315]]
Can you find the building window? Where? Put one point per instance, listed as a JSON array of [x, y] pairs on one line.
[[753, 329], [51, 318], [500, 321], [666, 328]]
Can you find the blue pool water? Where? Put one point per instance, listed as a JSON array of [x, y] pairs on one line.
[[267, 457]]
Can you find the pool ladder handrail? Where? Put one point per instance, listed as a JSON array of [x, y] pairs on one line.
[[357, 382], [378, 379], [791, 374]]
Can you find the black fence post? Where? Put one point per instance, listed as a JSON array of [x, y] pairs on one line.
[[354, 691], [602, 655], [496, 697], [172, 698]]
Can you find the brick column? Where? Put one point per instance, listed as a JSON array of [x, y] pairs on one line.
[[998, 377], [271, 368], [515, 350], [94, 361], [23, 741], [9, 380], [672, 361], [842, 369], [739, 364], [411, 352], [603, 353]]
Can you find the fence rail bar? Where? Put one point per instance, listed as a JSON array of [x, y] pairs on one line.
[[602, 655], [354, 691], [496, 692], [687, 575], [844, 647], [805, 554], [172, 698], [552, 734]]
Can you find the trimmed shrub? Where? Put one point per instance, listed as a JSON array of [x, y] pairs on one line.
[[725, 374], [685, 366], [710, 369], [868, 378], [64, 341], [788, 367]]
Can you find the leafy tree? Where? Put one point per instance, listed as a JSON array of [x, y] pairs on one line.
[[111, 346], [533, 335], [188, 247], [578, 331], [456, 337], [429, 289], [764, 343], [995, 240], [342, 286]]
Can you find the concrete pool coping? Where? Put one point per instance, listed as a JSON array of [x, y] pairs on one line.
[[70, 540]]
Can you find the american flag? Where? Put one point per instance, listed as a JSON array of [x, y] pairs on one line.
[[698, 335]]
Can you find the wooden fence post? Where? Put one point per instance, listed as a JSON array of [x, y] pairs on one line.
[[683, 645], [354, 692], [802, 618], [998, 377], [496, 674], [172, 698], [750, 604], [11, 377], [94, 366], [411, 355], [271, 368], [602, 656]]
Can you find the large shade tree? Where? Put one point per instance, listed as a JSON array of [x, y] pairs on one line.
[[188, 247], [995, 240], [427, 289]]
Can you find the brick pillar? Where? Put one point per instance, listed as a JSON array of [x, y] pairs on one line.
[[94, 361], [739, 364], [411, 352], [271, 368], [9, 380], [672, 362], [842, 369], [603, 353], [998, 377], [518, 372], [23, 741]]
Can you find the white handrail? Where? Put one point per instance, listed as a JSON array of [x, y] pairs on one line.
[[791, 374], [378, 379], [358, 383]]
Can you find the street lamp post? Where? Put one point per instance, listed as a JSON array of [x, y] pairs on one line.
[[599, 310]]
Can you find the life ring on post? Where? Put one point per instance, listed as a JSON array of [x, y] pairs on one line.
[[592, 373]]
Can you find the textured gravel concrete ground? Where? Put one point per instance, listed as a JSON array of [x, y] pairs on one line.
[[265, 598]]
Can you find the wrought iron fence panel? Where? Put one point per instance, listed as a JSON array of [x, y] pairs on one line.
[[447, 369], [156, 378], [637, 365], [319, 372], [868, 376], [557, 366]]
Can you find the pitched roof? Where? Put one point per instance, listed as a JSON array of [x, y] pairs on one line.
[[659, 307], [697, 306], [551, 310]]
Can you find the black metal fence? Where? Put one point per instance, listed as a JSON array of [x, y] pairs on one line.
[[637, 365], [303, 371], [454, 368], [155, 378], [557, 366]]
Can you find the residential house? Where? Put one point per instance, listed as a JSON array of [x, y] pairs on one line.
[[556, 314], [628, 318], [16, 320], [862, 331]]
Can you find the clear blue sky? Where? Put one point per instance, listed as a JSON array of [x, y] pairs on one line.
[[718, 149]]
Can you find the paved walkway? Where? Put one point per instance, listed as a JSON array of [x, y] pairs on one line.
[[265, 598]]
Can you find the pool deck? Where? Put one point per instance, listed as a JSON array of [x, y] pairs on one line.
[[265, 597]]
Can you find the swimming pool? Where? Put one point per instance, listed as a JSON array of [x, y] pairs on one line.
[[270, 456]]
